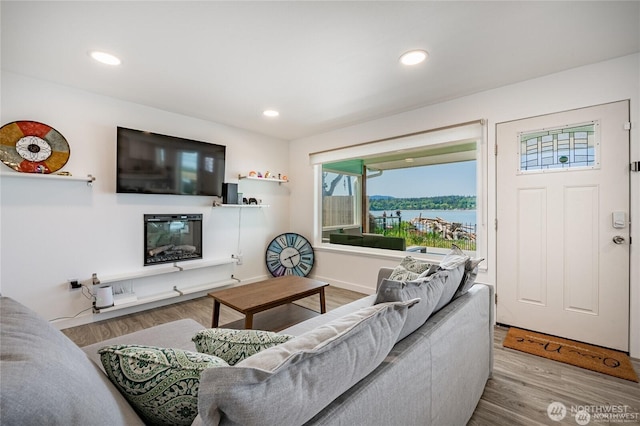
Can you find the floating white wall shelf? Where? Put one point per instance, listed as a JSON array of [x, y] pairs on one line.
[[167, 295], [176, 292], [244, 206], [160, 270], [263, 179], [89, 179]]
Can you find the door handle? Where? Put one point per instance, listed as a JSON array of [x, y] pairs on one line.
[[618, 239]]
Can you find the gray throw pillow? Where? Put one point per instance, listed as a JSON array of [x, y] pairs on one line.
[[290, 383], [452, 279], [469, 278], [454, 258], [46, 379], [429, 290]]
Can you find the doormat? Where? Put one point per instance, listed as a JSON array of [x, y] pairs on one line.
[[591, 357]]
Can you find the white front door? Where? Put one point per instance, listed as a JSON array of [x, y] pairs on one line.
[[563, 224]]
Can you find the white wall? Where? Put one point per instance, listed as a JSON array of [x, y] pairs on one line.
[[52, 231], [590, 85]]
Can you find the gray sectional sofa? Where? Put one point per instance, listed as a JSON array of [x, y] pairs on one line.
[[434, 376]]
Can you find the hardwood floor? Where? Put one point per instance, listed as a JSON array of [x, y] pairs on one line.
[[519, 393], [524, 385]]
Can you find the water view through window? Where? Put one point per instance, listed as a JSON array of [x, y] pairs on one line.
[[425, 206], [429, 206]]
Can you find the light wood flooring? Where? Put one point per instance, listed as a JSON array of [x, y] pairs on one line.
[[519, 393]]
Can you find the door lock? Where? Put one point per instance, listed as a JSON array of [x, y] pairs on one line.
[[618, 239]]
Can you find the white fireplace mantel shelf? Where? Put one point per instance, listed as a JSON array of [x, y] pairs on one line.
[[168, 269], [133, 300]]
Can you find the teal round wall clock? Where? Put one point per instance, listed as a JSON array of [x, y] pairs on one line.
[[289, 254]]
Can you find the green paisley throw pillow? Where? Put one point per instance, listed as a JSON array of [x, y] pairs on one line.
[[235, 345], [161, 384]]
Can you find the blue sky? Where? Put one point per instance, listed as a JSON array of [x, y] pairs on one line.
[[429, 181]]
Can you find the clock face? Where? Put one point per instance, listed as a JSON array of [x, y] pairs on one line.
[[289, 254]]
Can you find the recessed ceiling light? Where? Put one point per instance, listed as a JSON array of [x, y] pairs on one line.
[[105, 58], [413, 57], [270, 113]]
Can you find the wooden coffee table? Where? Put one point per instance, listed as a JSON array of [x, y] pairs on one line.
[[277, 293]]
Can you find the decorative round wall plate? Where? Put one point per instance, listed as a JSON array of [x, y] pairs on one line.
[[33, 147]]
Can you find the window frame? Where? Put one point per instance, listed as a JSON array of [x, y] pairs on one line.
[[474, 131]]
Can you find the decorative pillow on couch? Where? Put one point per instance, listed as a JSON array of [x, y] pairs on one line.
[[429, 290], [410, 269], [469, 278], [290, 383], [235, 345], [454, 258], [161, 384]]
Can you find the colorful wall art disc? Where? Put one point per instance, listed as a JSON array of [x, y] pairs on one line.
[[32, 147]]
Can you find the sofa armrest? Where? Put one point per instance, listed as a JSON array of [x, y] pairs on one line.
[[383, 273]]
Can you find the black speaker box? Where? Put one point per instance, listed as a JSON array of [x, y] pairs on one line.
[[229, 193]]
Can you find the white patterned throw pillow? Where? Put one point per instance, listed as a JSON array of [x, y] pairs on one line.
[[410, 269], [161, 384]]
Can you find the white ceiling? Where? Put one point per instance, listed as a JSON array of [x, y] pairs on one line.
[[323, 65]]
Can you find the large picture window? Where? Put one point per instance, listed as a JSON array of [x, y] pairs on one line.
[[420, 198]]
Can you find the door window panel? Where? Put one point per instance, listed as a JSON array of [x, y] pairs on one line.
[[557, 149]]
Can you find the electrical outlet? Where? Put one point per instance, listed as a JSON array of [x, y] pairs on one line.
[[75, 284], [239, 257]]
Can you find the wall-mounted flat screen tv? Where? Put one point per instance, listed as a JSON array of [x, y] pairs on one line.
[[149, 163]]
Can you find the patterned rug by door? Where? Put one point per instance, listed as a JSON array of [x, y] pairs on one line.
[[591, 357]]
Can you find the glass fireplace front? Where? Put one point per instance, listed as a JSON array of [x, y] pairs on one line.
[[172, 238]]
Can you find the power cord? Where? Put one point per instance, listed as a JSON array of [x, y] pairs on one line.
[[89, 296], [59, 318]]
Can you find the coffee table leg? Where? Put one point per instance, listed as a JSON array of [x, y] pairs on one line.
[[323, 304], [216, 314], [248, 321]]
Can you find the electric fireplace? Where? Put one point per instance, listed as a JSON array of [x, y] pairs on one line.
[[172, 238]]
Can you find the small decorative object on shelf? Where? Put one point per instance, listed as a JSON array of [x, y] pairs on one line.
[[33, 147], [280, 178]]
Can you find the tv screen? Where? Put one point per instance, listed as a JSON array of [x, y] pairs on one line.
[[149, 163]]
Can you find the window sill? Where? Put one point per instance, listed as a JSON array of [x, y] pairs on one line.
[[395, 255]]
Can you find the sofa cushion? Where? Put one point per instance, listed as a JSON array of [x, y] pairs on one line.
[[427, 290], [454, 258], [292, 382], [452, 267], [452, 279], [161, 384], [46, 379], [409, 269], [469, 277], [235, 345]]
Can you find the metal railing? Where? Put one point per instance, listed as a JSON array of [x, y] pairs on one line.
[[425, 232]]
